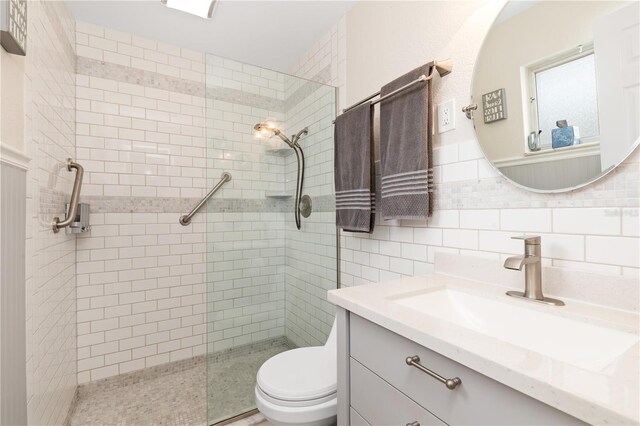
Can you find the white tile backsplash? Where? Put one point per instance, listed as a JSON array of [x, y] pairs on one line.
[[621, 251], [630, 222], [525, 220], [480, 219], [595, 221]]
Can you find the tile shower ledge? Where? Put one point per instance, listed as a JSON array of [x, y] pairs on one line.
[[609, 396]]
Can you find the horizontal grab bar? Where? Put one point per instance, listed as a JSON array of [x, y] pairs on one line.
[[75, 195], [186, 219]]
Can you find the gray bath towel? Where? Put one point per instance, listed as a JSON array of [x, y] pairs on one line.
[[406, 155], [354, 173]]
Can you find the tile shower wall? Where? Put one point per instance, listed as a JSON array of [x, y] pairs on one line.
[[245, 230], [141, 138], [592, 229], [311, 252], [153, 138], [50, 258]]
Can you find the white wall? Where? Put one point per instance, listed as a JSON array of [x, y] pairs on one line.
[[593, 229], [12, 100]]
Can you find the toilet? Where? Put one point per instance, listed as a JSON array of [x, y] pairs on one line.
[[298, 387]]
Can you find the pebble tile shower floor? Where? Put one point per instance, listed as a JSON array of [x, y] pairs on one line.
[[177, 396]]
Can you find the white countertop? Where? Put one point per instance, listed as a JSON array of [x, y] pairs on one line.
[[610, 396]]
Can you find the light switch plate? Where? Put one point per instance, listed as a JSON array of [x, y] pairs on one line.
[[446, 116]]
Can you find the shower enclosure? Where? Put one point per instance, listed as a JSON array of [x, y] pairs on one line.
[[266, 280]]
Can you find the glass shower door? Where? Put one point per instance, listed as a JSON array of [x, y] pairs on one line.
[[266, 280]]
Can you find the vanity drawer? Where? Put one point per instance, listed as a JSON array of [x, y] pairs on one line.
[[379, 403], [477, 400]]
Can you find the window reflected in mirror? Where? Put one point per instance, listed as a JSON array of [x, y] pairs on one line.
[[565, 90], [568, 78]]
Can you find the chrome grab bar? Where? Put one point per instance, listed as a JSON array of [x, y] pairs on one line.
[[414, 361], [75, 195], [186, 219]]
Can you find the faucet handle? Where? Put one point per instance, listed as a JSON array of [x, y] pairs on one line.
[[528, 239]]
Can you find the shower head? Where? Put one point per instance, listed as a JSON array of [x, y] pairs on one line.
[[269, 129], [266, 128]]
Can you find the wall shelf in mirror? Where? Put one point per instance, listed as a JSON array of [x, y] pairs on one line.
[[570, 84], [587, 148], [575, 151]]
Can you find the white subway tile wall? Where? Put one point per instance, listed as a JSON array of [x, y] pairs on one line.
[[246, 255], [50, 258], [245, 281], [157, 126], [592, 229], [238, 97], [141, 295], [141, 289], [311, 254], [597, 239]]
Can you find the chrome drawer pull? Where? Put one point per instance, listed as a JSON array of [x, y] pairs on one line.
[[416, 423], [449, 383]]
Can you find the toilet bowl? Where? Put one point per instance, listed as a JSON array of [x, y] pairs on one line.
[[298, 387]]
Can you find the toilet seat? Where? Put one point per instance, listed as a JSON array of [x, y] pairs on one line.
[[299, 377], [314, 414], [287, 403]]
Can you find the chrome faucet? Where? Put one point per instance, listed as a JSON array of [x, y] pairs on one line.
[[532, 262]]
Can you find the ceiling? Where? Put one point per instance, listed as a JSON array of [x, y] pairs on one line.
[[271, 34]]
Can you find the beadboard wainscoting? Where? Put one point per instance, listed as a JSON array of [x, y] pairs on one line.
[[13, 357]]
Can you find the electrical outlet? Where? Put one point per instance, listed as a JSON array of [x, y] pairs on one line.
[[446, 116]]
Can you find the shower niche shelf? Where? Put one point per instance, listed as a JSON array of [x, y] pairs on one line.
[[279, 152], [278, 195]]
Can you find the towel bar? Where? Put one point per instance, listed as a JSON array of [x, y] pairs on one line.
[[442, 67]]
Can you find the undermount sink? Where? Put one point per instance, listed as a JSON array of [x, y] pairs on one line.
[[584, 345]]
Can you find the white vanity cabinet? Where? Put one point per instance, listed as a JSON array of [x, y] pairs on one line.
[[377, 387]]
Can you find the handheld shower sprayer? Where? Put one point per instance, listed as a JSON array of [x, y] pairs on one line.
[[266, 130]]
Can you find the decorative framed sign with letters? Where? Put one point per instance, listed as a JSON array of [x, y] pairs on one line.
[[494, 106], [13, 26]]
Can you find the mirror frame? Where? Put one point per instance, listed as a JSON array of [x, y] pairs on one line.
[[502, 175]]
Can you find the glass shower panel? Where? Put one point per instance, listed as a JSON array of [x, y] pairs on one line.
[[266, 280], [311, 254]]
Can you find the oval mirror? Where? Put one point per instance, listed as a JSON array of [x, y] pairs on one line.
[[557, 89]]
